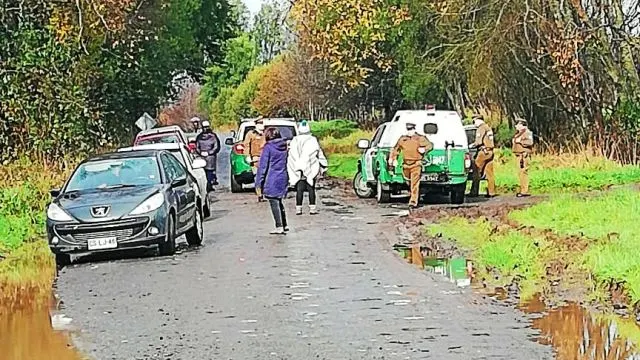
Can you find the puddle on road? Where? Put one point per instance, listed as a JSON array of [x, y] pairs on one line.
[[576, 334], [572, 331], [30, 335]]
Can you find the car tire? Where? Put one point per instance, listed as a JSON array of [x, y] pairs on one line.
[[168, 247], [196, 233], [362, 190], [383, 196], [457, 194], [63, 260], [235, 187]]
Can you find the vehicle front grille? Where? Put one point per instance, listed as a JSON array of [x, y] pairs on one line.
[[120, 235], [121, 230]]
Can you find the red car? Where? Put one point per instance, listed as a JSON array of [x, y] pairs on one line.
[[162, 135]]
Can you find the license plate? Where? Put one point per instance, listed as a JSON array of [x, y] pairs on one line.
[[101, 244], [430, 177]]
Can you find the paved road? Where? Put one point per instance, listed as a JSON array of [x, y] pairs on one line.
[[331, 289]]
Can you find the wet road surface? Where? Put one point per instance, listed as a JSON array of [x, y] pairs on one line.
[[331, 289]]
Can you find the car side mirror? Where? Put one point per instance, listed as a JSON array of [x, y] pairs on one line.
[[229, 141], [233, 133], [54, 193], [363, 144], [179, 182], [199, 163]]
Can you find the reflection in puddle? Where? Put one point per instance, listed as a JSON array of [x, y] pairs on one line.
[[575, 334], [29, 335]]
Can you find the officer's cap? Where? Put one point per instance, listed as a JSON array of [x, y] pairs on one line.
[[411, 126]]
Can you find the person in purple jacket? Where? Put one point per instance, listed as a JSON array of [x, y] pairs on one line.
[[272, 177]]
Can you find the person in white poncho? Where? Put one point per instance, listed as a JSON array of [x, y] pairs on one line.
[[305, 163]]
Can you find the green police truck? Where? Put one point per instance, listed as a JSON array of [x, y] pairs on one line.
[[240, 170], [445, 168]]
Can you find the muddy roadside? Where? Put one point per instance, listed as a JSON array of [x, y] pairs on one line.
[[563, 309]]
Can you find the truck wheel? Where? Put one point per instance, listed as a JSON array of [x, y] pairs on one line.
[[457, 194], [383, 196], [361, 188], [235, 187]]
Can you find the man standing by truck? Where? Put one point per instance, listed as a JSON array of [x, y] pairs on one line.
[[522, 148], [253, 145], [413, 147], [484, 160]]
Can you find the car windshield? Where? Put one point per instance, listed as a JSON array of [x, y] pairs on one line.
[[163, 139], [286, 131], [116, 173]]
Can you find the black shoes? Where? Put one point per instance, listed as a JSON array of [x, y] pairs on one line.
[[520, 195]]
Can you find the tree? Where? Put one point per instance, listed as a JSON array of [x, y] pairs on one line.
[[76, 75], [269, 30], [240, 57]]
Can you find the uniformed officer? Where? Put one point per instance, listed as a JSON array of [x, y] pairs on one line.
[[253, 144], [522, 148], [413, 147], [484, 159]]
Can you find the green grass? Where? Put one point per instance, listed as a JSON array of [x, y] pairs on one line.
[[611, 219], [333, 128], [27, 266], [563, 173], [506, 251], [343, 165]]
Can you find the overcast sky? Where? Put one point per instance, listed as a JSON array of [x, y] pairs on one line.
[[253, 5]]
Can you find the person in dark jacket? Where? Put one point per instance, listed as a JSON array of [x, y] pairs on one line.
[[272, 177], [208, 146]]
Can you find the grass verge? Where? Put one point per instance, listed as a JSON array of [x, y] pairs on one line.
[[566, 240], [26, 265], [610, 220], [499, 251]]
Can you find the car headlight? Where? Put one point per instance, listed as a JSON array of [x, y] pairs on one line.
[[149, 205], [55, 213]]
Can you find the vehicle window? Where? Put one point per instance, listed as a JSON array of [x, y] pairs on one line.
[[378, 135], [430, 129], [471, 135], [178, 154], [105, 174], [168, 169], [178, 168], [169, 139], [286, 131], [247, 130]]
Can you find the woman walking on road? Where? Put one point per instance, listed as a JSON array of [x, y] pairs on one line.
[[305, 162], [272, 179]]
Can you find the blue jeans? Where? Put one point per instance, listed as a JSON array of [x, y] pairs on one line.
[[212, 179]]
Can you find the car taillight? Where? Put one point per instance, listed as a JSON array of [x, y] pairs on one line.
[[467, 161], [238, 148]]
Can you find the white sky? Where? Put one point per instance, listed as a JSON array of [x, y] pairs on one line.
[[253, 5]]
